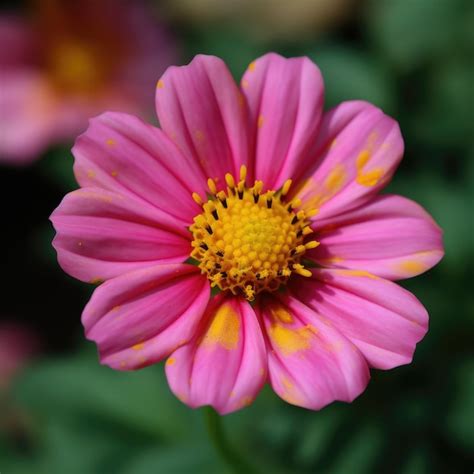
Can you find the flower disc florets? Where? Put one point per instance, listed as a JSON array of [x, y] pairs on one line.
[[247, 241]]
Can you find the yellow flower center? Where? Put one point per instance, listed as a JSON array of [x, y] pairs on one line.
[[248, 241]]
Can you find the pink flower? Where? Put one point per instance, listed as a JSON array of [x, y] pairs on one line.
[[278, 204], [72, 61]]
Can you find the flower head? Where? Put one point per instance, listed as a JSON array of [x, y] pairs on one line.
[[257, 193], [74, 60]]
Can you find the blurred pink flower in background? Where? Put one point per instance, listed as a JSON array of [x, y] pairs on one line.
[[18, 344], [69, 61]]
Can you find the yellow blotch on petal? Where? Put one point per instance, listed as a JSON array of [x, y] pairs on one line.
[[371, 178], [199, 134], [326, 261], [110, 142], [281, 314], [92, 195], [138, 347], [372, 139], [362, 158], [224, 329], [252, 66], [261, 121], [287, 383], [368, 178], [289, 392], [114, 173], [246, 401], [316, 194], [170, 361], [91, 174], [96, 281], [182, 397], [411, 266], [245, 83], [289, 340], [358, 273], [336, 178], [160, 84]]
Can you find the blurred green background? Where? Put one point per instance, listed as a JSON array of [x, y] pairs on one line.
[[64, 414]]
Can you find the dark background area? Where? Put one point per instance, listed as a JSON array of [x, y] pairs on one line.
[[66, 414]]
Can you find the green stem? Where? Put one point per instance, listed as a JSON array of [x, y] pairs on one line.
[[216, 432]]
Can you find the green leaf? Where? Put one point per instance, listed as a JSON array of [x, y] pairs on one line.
[[57, 165], [353, 74], [193, 458], [360, 454], [79, 386], [410, 32], [460, 420], [444, 117]]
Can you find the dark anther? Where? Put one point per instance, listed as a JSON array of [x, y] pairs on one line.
[[293, 251], [217, 265], [257, 275], [256, 197], [215, 215], [204, 246], [209, 229], [289, 208], [299, 233], [220, 253], [224, 203], [241, 194], [224, 274], [269, 203], [279, 273], [294, 220]]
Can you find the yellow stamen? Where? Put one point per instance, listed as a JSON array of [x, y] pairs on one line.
[[212, 186], [286, 187], [229, 179], [301, 270], [197, 199]]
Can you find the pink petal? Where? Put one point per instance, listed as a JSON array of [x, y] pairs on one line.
[[102, 234], [381, 318], [225, 364], [310, 363], [285, 98], [138, 318], [201, 109], [120, 153], [390, 236], [357, 151]]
